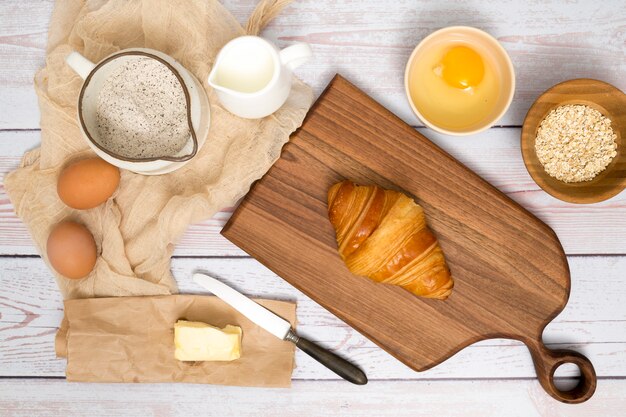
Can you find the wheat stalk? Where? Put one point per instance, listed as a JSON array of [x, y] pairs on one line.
[[265, 11]]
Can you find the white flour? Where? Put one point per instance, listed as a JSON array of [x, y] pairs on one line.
[[141, 111]]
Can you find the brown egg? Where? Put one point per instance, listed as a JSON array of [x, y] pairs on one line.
[[71, 250], [88, 183]]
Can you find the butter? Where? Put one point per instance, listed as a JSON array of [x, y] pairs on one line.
[[196, 341]]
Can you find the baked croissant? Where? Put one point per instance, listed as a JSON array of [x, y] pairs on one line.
[[382, 234]]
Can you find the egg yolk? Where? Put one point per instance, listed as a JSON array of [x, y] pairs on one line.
[[462, 67]]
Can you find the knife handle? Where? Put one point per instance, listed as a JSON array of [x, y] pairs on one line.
[[337, 364]]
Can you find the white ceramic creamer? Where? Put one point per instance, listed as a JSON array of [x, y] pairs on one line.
[[252, 78]]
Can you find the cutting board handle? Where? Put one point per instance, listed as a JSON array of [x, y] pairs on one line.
[[547, 361]]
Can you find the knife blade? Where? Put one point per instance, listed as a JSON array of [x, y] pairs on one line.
[[255, 312], [280, 328]]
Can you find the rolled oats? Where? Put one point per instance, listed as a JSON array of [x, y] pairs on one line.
[[575, 143]]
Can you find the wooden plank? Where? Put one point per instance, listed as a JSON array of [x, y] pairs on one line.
[[370, 44], [23, 36], [494, 398], [594, 323], [494, 155]]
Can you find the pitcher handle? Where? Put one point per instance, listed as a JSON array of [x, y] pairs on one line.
[[81, 65], [295, 55]]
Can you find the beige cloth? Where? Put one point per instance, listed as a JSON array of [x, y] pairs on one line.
[[101, 344], [136, 229]]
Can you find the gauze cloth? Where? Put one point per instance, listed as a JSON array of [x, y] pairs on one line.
[[136, 229]]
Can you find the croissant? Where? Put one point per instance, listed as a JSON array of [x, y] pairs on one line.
[[382, 234]]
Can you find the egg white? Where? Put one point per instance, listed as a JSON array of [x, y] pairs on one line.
[[448, 107]]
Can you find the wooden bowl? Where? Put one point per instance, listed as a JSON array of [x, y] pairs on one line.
[[609, 101]]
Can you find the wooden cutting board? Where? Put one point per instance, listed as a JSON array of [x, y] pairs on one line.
[[511, 274]]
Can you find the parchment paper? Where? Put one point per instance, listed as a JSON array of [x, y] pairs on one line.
[[136, 230], [131, 339]]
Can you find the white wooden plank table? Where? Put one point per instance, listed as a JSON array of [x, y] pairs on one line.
[[368, 41]]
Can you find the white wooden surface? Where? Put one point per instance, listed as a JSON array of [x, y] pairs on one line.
[[368, 41]]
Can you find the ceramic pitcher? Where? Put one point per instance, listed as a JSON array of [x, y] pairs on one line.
[[252, 77], [94, 74]]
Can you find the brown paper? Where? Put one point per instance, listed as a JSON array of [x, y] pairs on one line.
[[131, 339], [136, 230]]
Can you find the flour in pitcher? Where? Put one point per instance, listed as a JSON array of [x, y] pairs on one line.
[[141, 111]]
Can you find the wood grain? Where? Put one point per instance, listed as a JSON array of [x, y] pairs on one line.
[[53, 398], [494, 155], [370, 42], [606, 99], [23, 35], [31, 310], [548, 42], [510, 272]]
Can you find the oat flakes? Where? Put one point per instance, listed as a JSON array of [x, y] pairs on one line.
[[575, 143]]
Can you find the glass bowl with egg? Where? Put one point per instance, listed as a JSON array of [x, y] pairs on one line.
[[459, 81]]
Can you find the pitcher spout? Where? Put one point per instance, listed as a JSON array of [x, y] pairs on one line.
[[213, 83]]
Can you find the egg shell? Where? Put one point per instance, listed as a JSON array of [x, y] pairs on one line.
[[71, 250], [88, 183]]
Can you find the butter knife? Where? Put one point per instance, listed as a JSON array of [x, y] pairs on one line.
[[280, 328]]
